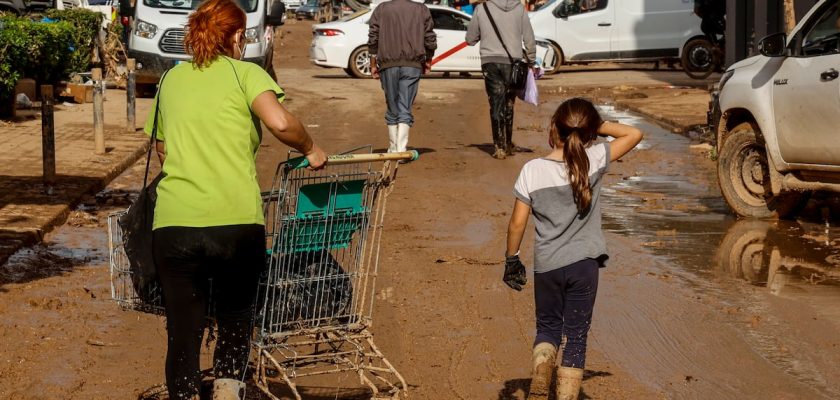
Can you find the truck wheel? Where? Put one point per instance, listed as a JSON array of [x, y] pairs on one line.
[[360, 63], [553, 66], [699, 58], [744, 252], [744, 177]]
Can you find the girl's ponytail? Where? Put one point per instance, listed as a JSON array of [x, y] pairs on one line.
[[577, 168], [575, 124]]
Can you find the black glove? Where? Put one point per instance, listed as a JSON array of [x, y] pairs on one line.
[[514, 273]]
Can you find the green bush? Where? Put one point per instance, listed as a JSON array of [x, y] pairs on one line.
[[45, 51], [87, 24], [41, 51]]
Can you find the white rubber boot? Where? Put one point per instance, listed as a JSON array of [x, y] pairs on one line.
[[392, 138], [568, 383], [402, 136], [542, 371], [228, 389]]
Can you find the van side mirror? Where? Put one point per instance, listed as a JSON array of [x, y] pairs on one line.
[[774, 45], [126, 10], [562, 11], [275, 14]]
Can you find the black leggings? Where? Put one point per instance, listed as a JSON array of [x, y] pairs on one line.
[[565, 298], [187, 259]]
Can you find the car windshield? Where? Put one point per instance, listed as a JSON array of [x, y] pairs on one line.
[[313, 3], [544, 5], [353, 16], [248, 5]]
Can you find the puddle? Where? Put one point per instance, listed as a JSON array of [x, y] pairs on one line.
[[678, 214]]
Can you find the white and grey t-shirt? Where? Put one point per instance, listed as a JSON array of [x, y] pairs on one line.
[[563, 236]]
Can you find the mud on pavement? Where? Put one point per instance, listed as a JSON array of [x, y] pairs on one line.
[[693, 303]]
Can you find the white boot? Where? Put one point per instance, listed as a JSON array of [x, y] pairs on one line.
[[228, 389], [402, 136], [392, 138]]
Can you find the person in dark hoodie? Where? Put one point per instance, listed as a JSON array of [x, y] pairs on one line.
[[402, 42], [515, 30]]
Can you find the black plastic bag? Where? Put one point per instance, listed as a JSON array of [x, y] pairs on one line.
[[311, 290], [136, 225]]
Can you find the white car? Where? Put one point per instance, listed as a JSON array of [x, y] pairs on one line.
[[777, 118], [343, 44]]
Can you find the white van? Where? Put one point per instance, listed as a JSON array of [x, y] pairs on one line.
[[582, 31], [156, 33]]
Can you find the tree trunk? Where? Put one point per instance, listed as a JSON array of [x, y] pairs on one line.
[[790, 16]]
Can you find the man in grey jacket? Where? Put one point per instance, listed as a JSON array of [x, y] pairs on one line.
[[515, 31], [401, 41]]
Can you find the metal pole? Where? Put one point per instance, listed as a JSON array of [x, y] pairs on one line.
[[131, 95], [98, 112], [48, 137]]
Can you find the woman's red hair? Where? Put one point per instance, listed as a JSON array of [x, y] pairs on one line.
[[211, 29]]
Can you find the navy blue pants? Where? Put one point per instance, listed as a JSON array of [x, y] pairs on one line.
[[565, 298]]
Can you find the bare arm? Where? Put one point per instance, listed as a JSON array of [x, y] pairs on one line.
[[516, 227], [626, 138], [160, 148], [286, 127]]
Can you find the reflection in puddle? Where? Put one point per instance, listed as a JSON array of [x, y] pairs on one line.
[[678, 214]]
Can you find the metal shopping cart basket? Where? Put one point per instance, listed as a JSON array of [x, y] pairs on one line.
[[323, 230], [317, 298]]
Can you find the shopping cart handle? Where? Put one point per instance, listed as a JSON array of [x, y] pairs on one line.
[[339, 159]]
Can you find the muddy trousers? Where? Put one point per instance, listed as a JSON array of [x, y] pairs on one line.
[[502, 98], [565, 298], [195, 264]]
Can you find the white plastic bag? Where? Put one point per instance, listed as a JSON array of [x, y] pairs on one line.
[[529, 93]]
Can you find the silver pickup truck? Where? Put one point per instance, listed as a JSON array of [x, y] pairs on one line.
[[777, 118]]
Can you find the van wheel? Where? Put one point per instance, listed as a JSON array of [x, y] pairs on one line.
[[360, 63], [553, 66], [744, 177], [700, 58]]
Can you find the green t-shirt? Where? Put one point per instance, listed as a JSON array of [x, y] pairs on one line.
[[211, 139]]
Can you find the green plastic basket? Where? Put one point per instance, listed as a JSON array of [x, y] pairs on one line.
[[327, 216]]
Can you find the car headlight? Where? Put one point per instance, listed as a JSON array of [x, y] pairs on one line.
[[145, 29], [725, 78], [252, 35]]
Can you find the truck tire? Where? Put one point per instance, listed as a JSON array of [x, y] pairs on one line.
[[359, 63], [554, 67], [744, 178], [699, 58]]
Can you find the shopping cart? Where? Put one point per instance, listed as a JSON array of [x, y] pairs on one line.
[[323, 230], [317, 297]]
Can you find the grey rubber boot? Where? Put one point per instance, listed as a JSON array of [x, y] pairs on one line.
[[228, 389], [568, 383], [544, 360]]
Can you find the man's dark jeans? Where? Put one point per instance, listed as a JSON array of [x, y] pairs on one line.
[[501, 97]]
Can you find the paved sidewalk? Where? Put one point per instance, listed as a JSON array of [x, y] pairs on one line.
[[27, 213]]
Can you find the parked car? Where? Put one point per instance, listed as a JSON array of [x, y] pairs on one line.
[[308, 10], [292, 5], [156, 37], [777, 118], [20, 7], [343, 44], [582, 31]]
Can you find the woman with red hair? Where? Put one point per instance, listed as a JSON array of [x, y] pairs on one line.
[[208, 223]]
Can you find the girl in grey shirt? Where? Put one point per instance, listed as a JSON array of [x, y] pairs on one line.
[[562, 192]]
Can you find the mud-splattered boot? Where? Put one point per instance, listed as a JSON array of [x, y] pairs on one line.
[[498, 139], [568, 383], [544, 359], [228, 389]]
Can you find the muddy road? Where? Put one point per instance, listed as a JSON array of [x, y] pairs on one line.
[[693, 305]]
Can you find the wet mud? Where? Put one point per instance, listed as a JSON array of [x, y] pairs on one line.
[[693, 305]]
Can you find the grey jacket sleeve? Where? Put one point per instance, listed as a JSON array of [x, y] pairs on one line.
[[474, 29], [429, 36], [528, 37], [373, 33]]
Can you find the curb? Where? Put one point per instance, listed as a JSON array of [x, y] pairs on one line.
[[14, 240]]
